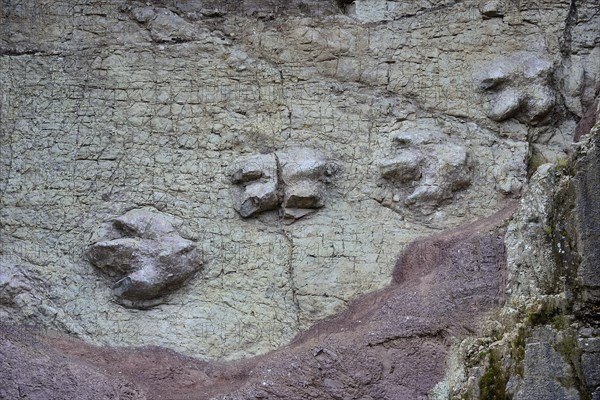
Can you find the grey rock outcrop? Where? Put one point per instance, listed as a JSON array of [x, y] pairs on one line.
[[545, 370], [13, 283], [403, 168], [587, 184], [545, 339], [107, 106], [303, 175], [590, 362], [23, 290], [150, 258], [387, 345], [164, 25]]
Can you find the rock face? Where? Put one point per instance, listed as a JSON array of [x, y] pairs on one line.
[[544, 370], [587, 186], [21, 290], [433, 115], [259, 190], [590, 363], [303, 174], [390, 344], [542, 343], [149, 257]]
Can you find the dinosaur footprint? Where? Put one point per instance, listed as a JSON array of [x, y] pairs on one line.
[[149, 257]]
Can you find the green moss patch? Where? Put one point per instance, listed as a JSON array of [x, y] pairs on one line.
[[492, 385]]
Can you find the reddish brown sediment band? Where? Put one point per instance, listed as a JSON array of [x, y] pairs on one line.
[[391, 343]]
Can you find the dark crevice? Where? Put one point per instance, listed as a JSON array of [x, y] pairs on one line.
[[570, 22], [15, 53]]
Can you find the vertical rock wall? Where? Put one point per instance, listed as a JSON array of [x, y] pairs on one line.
[[544, 342], [108, 107]]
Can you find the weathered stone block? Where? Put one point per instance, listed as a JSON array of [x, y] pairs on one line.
[[403, 168]]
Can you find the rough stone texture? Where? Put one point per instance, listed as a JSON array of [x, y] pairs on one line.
[[293, 179], [433, 115], [428, 162], [545, 335], [519, 86], [545, 372], [148, 256], [303, 174], [590, 361], [389, 344], [586, 187], [107, 106], [30, 369], [259, 185], [21, 290], [531, 266], [588, 203], [537, 285]]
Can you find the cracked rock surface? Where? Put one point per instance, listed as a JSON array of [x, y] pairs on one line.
[[429, 163], [110, 106], [518, 85], [390, 344]]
